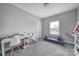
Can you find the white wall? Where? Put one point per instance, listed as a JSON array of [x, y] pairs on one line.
[[14, 20], [67, 20], [78, 13]]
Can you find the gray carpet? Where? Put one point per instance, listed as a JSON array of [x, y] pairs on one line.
[[44, 48]]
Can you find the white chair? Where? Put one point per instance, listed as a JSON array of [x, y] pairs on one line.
[[26, 40], [15, 43], [34, 38]]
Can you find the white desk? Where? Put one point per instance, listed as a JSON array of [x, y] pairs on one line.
[[6, 41], [2, 45]]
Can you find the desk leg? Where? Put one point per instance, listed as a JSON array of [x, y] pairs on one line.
[[2, 46]]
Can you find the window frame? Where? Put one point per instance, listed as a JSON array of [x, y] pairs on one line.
[[51, 28]]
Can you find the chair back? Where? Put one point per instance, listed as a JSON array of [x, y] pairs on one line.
[[34, 37]]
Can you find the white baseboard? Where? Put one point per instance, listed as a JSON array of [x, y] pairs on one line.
[[69, 42]]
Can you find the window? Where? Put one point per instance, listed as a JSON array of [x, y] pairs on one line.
[[54, 27]]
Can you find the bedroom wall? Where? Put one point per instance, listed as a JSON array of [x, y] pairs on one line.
[[67, 24], [14, 20], [78, 13]]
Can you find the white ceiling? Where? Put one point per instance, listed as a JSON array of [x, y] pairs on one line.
[[39, 10]]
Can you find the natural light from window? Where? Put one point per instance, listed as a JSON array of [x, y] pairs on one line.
[[54, 27]]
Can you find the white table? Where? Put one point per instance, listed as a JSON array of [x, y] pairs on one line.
[[6, 41]]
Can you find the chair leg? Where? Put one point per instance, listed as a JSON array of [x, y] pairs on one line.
[[12, 51], [19, 48]]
